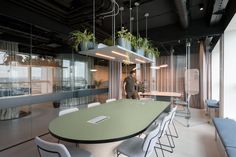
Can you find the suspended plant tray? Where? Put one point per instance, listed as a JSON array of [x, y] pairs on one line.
[[116, 53]]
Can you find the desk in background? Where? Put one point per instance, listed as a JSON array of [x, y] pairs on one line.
[[162, 96]]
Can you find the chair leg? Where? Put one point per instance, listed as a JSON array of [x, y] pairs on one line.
[[162, 151], [171, 136], [156, 152], [117, 153], [176, 133], [166, 145]]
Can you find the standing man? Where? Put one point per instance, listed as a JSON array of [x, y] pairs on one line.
[[129, 86]]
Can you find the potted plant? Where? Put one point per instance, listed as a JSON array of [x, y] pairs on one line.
[[108, 41], [140, 44], [82, 39], [97, 83], [124, 38], [152, 52]]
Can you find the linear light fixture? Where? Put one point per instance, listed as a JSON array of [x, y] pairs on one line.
[[139, 60], [106, 56], [163, 65], [93, 70], [128, 62], [120, 54], [155, 67]]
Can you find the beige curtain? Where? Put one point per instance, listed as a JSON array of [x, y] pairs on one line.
[[179, 63], [115, 74]]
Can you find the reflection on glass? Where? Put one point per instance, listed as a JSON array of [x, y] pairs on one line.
[[80, 81]]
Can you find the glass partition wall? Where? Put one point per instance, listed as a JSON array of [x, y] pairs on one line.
[[32, 65]]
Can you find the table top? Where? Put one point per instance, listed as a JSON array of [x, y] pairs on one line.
[[157, 93], [126, 118]]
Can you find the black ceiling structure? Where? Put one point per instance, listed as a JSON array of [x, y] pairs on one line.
[[170, 24]]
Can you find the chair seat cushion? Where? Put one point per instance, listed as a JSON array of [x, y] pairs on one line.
[[212, 103], [226, 129], [132, 147], [231, 151], [180, 102], [77, 152]]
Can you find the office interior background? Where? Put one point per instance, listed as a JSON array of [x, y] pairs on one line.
[[41, 73]]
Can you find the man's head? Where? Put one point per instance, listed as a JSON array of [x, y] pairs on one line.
[[132, 73]]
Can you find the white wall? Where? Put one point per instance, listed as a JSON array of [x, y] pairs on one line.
[[229, 87], [215, 68]]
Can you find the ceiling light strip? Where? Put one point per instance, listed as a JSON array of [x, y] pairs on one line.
[[155, 67], [93, 70], [139, 60], [163, 65], [128, 62], [120, 54], [106, 56]]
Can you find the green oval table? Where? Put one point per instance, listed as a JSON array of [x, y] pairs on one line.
[[125, 118]]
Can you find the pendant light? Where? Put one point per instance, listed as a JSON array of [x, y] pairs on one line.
[[146, 16]]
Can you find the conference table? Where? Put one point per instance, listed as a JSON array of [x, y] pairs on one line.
[[109, 122]]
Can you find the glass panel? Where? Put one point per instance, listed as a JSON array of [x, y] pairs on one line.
[[41, 115], [80, 75], [66, 75]]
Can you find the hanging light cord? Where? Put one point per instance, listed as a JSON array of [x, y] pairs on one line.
[[121, 16], [109, 12], [137, 4], [146, 16], [94, 22], [130, 12], [113, 10]]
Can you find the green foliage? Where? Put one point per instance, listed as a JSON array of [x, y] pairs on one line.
[[77, 37], [108, 41], [123, 33], [139, 42], [153, 51], [97, 83]]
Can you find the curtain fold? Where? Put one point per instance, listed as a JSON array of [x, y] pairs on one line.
[[115, 74]]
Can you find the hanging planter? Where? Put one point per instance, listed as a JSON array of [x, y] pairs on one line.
[[82, 40], [140, 51], [124, 38], [152, 52], [140, 45]]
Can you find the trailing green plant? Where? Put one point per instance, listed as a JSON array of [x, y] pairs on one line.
[[139, 42], [108, 41], [97, 83], [124, 33], [153, 51], [127, 60], [77, 37]]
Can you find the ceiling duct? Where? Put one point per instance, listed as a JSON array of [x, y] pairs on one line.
[[181, 7], [218, 11]]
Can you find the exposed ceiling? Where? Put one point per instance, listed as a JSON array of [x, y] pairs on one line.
[[170, 22]]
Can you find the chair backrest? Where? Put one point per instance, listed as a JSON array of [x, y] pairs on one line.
[[150, 141], [110, 100], [48, 149], [173, 112], [66, 111], [93, 104], [164, 124]]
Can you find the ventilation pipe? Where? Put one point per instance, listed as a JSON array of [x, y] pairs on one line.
[[182, 12]]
